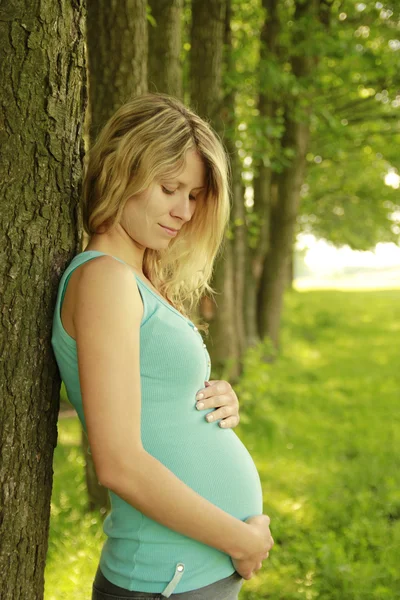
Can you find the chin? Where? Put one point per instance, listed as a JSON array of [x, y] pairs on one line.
[[158, 245]]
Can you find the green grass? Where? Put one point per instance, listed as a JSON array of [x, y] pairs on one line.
[[323, 426]]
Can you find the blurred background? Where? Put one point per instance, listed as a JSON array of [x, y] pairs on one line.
[[305, 95]]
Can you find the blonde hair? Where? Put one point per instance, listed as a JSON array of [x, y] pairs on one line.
[[146, 139]]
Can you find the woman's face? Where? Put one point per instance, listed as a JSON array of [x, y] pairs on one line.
[[168, 203]]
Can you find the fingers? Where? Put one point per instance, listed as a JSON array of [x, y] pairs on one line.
[[223, 400], [224, 412], [214, 389], [229, 422]]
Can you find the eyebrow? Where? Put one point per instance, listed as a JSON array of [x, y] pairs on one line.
[[182, 183]]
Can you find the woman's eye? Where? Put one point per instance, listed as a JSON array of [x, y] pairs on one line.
[[166, 191]]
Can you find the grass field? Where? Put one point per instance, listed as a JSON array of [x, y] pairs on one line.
[[323, 426]]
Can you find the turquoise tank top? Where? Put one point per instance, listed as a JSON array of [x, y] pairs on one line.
[[140, 553]]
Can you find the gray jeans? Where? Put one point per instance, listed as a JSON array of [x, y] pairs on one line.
[[224, 589]]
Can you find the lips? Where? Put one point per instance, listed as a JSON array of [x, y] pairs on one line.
[[171, 228]]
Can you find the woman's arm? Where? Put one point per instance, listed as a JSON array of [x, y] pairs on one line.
[[107, 321]]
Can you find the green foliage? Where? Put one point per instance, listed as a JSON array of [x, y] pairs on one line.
[[355, 132], [322, 424], [352, 93]]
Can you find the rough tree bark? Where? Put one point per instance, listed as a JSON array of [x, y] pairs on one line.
[[43, 100], [117, 41]]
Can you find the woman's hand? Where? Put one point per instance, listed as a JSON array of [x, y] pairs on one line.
[[247, 566], [219, 394]]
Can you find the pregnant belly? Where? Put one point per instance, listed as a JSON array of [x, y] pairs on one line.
[[214, 462]]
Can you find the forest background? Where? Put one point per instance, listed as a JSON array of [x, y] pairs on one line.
[[305, 95]]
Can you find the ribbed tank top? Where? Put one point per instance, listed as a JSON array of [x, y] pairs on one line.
[[140, 553]]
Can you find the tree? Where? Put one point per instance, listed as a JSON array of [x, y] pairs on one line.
[[237, 238], [117, 56], [264, 192], [43, 99], [165, 47], [348, 108], [309, 17]]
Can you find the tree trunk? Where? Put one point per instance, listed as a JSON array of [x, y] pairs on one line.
[[206, 69], [238, 241], [206, 59], [262, 183], [43, 99], [117, 41], [284, 212], [290, 273], [165, 44], [285, 206], [117, 52]]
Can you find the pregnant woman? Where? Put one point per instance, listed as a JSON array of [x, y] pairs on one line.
[[186, 500]]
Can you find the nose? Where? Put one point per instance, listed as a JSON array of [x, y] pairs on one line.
[[184, 208]]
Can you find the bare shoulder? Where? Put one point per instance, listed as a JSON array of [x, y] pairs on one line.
[[108, 283]]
